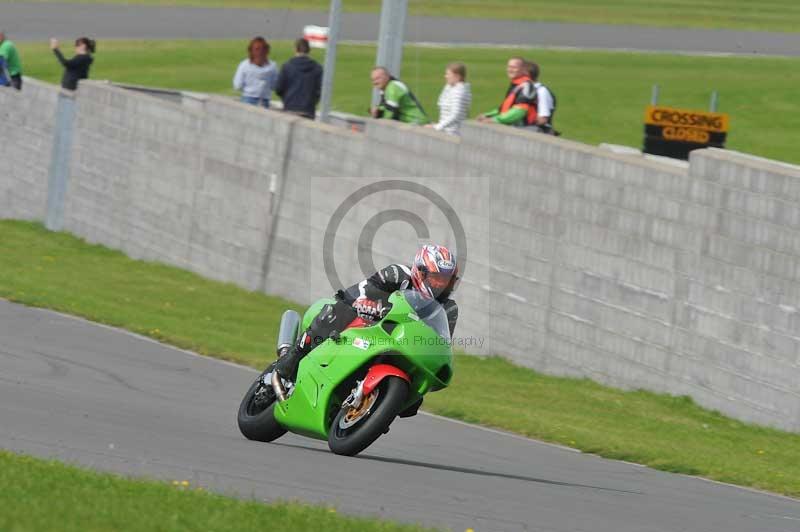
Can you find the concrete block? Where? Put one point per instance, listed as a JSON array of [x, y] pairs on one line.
[[616, 267]]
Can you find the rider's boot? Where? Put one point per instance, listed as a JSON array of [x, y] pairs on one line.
[[287, 364], [411, 410]]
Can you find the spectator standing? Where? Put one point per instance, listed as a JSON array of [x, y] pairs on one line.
[[8, 51], [77, 68], [5, 77], [300, 82], [255, 77], [544, 101], [518, 107], [397, 100], [454, 101]]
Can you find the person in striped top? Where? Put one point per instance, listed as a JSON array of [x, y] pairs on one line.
[[455, 99]]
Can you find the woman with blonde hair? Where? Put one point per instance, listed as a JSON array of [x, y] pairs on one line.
[[256, 76], [455, 99]]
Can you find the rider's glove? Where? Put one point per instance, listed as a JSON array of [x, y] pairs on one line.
[[369, 309]]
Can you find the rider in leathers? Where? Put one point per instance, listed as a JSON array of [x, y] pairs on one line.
[[434, 274]]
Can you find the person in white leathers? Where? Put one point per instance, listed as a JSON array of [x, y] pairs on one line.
[[454, 101], [256, 76]]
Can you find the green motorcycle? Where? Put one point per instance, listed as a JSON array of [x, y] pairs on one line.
[[351, 387]]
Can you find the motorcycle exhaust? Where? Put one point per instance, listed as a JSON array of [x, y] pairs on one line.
[[287, 334], [277, 386]]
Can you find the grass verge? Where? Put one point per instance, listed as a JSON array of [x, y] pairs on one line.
[[601, 95], [59, 271], [40, 495], [765, 15]]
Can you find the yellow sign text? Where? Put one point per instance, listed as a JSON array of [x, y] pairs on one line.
[[684, 118]]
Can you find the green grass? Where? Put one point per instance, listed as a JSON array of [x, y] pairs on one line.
[[61, 272], [58, 271], [41, 495], [766, 15], [601, 95]]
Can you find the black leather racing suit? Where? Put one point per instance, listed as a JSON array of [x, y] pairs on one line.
[[368, 299]]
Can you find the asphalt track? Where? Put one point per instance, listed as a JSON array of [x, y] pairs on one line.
[[110, 400], [31, 21]]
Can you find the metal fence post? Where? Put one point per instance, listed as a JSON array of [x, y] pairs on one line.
[[390, 39], [60, 161], [330, 60]]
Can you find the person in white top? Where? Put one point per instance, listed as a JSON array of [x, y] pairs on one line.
[[545, 102], [256, 75], [454, 101]]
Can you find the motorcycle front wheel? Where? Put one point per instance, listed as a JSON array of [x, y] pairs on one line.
[[355, 429], [257, 414]]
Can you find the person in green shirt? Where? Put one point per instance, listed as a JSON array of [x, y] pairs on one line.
[[9, 52], [397, 100]]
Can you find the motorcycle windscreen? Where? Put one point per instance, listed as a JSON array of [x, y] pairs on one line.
[[429, 311]]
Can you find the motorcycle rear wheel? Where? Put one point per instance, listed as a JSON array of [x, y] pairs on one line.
[[257, 422], [348, 437]]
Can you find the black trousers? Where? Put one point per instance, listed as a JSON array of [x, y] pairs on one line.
[[331, 319], [16, 81]]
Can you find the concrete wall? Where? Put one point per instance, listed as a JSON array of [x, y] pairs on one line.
[[167, 182], [635, 272], [641, 274], [27, 130]]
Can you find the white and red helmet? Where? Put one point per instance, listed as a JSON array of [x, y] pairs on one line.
[[434, 271]]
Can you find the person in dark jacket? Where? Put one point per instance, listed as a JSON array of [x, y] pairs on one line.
[[300, 82], [76, 68]]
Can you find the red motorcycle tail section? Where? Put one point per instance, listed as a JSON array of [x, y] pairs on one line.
[[378, 372]]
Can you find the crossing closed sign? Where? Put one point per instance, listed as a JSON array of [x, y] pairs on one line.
[[676, 132]]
